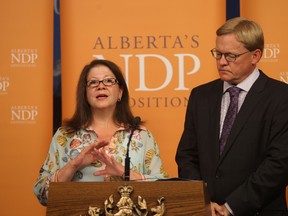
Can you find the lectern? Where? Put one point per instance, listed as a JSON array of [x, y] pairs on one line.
[[123, 198]]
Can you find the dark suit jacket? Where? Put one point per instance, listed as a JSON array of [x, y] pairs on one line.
[[252, 172]]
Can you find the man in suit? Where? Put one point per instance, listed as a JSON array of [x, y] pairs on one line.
[[248, 173]]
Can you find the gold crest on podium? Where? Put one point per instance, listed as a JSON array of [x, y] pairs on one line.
[[126, 207]]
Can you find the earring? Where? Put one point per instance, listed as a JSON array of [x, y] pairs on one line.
[[119, 99]]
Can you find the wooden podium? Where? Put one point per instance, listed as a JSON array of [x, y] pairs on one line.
[[178, 197]]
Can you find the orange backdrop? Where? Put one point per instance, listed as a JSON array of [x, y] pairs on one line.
[[273, 17], [163, 48], [26, 72]]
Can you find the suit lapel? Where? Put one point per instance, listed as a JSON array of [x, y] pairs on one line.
[[214, 102], [251, 100]]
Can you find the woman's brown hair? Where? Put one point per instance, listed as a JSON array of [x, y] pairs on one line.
[[82, 116]]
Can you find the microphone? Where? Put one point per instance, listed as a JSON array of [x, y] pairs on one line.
[[133, 127]]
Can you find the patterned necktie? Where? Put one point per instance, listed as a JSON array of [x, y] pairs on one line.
[[230, 116]]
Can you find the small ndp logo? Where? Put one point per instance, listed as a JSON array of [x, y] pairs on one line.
[[23, 114], [4, 84], [271, 52], [24, 57], [284, 77]]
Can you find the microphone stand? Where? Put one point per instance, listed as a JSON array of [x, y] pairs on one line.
[[137, 120]]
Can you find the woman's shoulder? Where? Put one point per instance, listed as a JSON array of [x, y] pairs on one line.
[[70, 132], [64, 130], [142, 127], [144, 131]]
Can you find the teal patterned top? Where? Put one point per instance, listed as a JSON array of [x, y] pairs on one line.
[[143, 152]]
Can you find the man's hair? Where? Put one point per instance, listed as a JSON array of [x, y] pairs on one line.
[[248, 32]]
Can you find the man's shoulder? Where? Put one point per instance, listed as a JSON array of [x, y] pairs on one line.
[[214, 84], [273, 83]]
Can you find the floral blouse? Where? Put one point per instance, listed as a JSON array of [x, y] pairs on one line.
[[143, 152]]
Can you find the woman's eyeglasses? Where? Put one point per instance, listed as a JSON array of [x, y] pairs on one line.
[[107, 82]]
